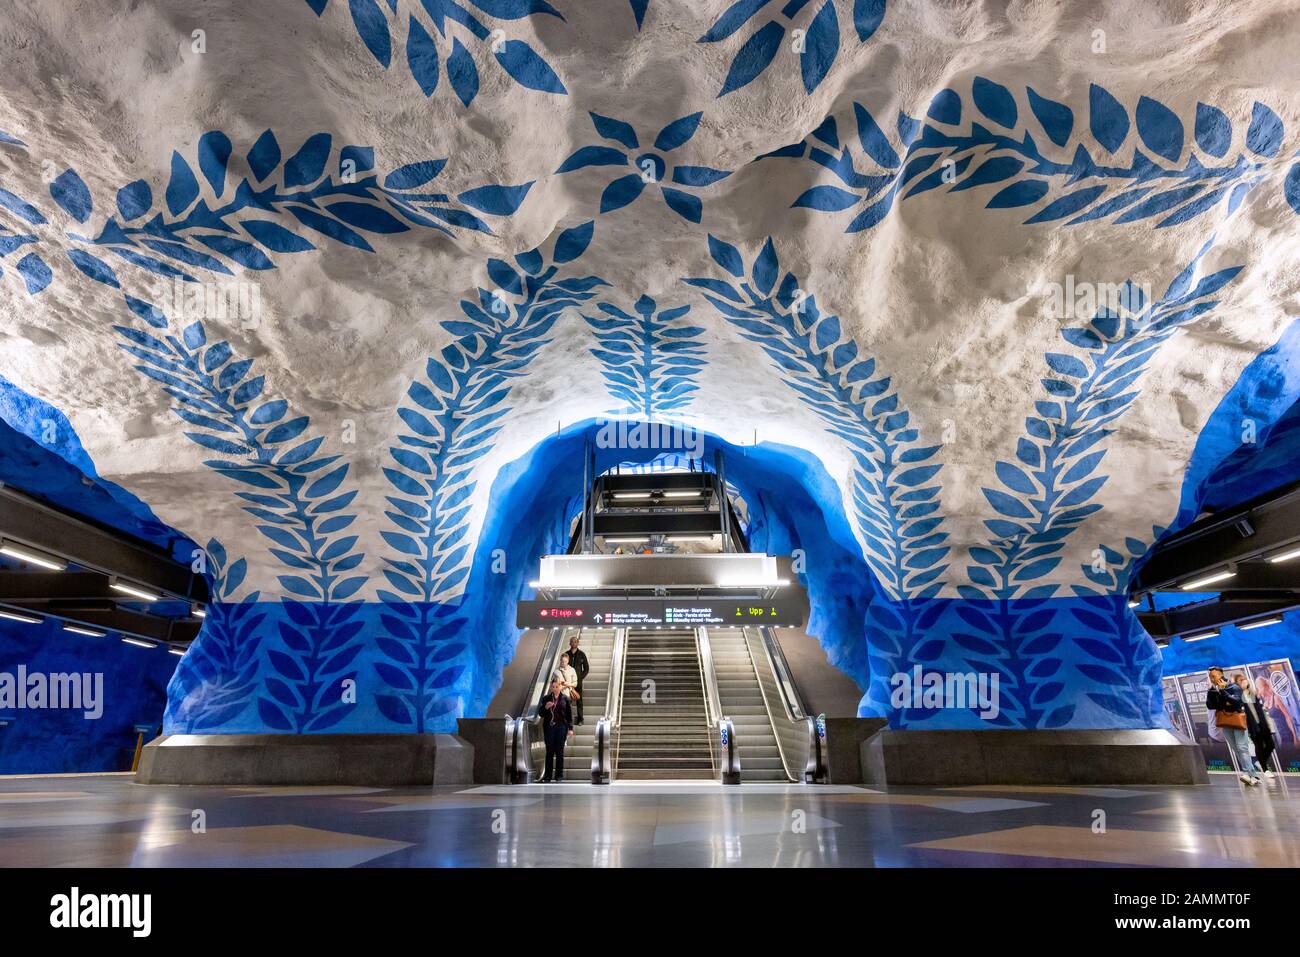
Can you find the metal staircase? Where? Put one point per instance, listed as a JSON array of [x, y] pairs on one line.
[[664, 731]]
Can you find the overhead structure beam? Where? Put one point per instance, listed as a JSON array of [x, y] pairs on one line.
[[1247, 537], [30, 523], [1199, 617]]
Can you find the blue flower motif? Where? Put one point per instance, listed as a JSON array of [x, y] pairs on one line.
[[652, 165], [817, 42]]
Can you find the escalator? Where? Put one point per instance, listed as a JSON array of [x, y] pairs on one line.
[[664, 697]]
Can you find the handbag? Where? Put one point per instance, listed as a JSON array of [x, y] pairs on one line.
[[1230, 719]]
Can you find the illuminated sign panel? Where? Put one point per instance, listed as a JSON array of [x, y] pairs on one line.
[[781, 612]]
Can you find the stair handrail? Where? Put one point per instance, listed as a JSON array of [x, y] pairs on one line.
[[614, 695], [708, 677]]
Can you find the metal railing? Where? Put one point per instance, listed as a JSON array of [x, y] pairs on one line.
[[712, 699]]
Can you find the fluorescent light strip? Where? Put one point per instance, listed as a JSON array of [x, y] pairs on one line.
[[82, 630], [198, 611], [1285, 556], [19, 616], [690, 538], [1212, 633], [1208, 580], [779, 582], [1260, 623], [632, 494], [135, 592], [176, 651], [1135, 603], [625, 541], [694, 494], [139, 644], [34, 558]]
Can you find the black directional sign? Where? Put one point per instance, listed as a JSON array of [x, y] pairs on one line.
[[780, 612]]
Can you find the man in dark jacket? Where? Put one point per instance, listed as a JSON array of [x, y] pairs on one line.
[[578, 662], [557, 726]]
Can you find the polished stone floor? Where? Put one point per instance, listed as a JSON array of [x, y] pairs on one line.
[[109, 821]]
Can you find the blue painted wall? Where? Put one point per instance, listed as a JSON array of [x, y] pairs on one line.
[[56, 741]]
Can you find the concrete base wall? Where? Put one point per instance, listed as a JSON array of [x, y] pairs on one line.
[[844, 740], [488, 738], [373, 760], [951, 758]]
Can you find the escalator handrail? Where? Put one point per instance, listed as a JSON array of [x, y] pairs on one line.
[[708, 675], [795, 711], [541, 677]]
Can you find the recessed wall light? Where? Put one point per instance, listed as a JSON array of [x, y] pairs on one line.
[[1210, 579], [20, 616], [135, 591], [25, 554], [83, 630], [1260, 623]]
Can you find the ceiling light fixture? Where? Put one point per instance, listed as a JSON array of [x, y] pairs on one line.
[[1212, 633], [1285, 556], [134, 591], [83, 630], [691, 494], [1260, 623], [139, 644], [198, 611], [1210, 579], [24, 554], [19, 616], [632, 494], [176, 651]]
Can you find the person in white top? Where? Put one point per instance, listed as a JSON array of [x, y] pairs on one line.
[[567, 676]]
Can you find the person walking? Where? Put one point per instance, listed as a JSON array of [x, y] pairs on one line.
[[557, 727], [578, 662], [1224, 700], [568, 677], [1259, 724]]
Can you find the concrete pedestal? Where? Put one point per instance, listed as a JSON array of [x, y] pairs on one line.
[[844, 740], [950, 758], [369, 760], [488, 738]]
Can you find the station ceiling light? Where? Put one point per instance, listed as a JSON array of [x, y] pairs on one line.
[[1218, 576], [25, 618], [1285, 556], [694, 493], [32, 557], [139, 644], [199, 611], [1202, 635], [83, 630], [135, 591], [1260, 623]]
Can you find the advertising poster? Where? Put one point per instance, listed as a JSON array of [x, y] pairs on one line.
[[1275, 685], [1175, 710]]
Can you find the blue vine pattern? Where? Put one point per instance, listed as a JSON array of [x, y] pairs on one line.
[[895, 500], [241, 223], [450, 416], [954, 148], [377, 27], [1047, 493], [651, 361]]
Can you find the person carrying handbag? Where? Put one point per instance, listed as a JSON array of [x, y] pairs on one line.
[[1224, 701]]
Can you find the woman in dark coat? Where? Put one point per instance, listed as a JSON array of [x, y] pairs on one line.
[[557, 725], [1259, 724]]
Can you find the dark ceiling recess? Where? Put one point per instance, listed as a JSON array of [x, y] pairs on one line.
[[1250, 555], [64, 567]]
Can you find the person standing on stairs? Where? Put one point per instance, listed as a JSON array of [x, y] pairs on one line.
[[557, 726], [578, 662]]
